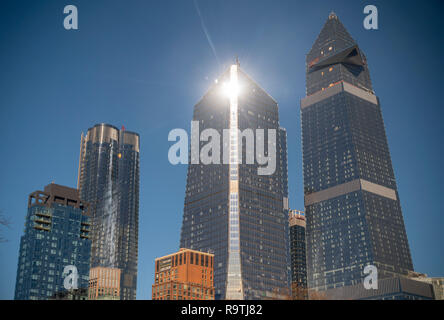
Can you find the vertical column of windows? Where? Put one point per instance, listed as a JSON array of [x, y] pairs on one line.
[[234, 278]]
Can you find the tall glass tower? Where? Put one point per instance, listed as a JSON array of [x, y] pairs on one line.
[[352, 204], [232, 208], [298, 255], [57, 232], [109, 180]]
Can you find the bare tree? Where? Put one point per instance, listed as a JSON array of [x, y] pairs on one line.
[[298, 291], [317, 295], [278, 294]]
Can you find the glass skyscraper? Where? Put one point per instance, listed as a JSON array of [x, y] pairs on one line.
[[57, 231], [352, 204], [298, 255], [109, 180], [231, 209]]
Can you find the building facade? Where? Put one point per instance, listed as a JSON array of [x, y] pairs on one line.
[[232, 208], [298, 255], [57, 232], [104, 284], [109, 180], [438, 287], [436, 282], [393, 288], [72, 294], [352, 204], [184, 275]]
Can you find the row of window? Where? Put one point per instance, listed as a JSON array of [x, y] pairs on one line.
[[195, 258]]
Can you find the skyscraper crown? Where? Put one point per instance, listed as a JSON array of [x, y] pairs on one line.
[[333, 35], [332, 15], [336, 57]]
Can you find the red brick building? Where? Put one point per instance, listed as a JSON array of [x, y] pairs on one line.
[[184, 275]]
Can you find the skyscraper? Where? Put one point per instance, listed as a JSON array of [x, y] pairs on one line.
[[233, 208], [352, 204], [57, 230], [298, 255], [109, 180]]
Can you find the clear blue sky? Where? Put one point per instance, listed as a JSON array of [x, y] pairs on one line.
[[144, 64]]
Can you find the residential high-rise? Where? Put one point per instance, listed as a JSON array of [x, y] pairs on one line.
[[57, 230], [109, 180], [184, 275], [298, 255], [104, 284], [352, 205], [235, 207]]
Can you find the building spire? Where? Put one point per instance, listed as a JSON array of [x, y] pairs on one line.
[[332, 15], [237, 61]]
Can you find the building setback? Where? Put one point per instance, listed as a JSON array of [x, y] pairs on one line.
[[352, 205], [109, 180], [57, 230], [230, 209], [185, 275], [298, 255]]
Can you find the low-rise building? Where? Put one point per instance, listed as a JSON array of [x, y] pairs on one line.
[[184, 275]]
